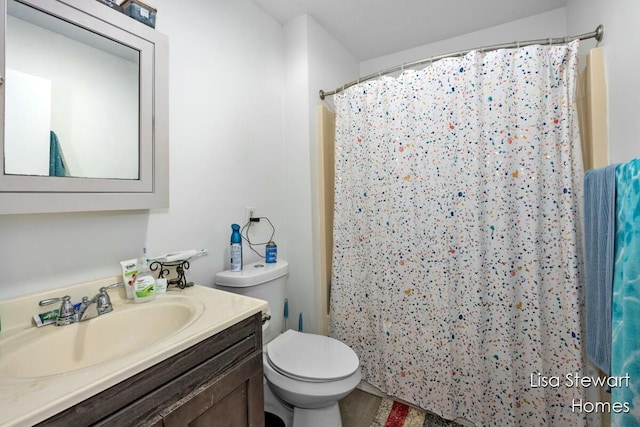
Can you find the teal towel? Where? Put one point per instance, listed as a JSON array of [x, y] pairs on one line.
[[599, 236], [56, 159], [625, 352]]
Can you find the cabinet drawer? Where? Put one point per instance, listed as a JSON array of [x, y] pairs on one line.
[[235, 343], [229, 364], [232, 400]]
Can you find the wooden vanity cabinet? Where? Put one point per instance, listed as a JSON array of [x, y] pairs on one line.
[[217, 382]]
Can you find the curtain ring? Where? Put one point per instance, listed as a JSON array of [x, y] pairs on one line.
[[518, 44], [402, 68], [550, 43], [566, 39]]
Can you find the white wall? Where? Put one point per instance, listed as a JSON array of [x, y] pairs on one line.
[[314, 60], [226, 85], [621, 42], [330, 65], [226, 149], [297, 173], [549, 24]]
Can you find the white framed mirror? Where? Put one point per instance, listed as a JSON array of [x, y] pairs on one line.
[[84, 102]]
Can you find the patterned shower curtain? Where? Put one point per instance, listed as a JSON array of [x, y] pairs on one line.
[[457, 254]]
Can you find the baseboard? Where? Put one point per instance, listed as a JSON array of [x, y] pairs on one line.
[[368, 388]]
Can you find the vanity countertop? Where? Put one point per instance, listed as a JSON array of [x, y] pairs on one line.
[[26, 401]]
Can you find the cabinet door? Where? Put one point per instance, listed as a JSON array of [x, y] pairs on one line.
[[233, 400]]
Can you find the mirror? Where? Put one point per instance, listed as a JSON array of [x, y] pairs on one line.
[[83, 109], [71, 101]]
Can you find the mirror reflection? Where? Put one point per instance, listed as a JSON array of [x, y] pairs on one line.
[[71, 100]]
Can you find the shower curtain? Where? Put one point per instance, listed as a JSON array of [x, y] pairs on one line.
[[457, 237]]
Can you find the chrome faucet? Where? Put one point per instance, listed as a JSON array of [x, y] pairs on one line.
[[102, 303], [67, 314]]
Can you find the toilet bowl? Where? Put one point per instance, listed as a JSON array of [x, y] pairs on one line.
[[306, 374], [311, 373]]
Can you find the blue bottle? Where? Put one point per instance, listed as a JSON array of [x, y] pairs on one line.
[[236, 248], [271, 252]]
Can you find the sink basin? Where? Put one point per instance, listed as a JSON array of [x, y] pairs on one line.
[[54, 350], [44, 371]]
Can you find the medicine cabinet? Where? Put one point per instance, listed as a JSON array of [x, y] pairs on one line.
[[83, 109]]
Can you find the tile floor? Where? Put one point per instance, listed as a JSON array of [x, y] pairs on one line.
[[359, 409]]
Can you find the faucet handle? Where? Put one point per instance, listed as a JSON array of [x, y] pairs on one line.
[[66, 313], [115, 285], [52, 300], [103, 301]]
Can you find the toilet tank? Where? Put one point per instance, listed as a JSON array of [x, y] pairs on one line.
[[265, 281]]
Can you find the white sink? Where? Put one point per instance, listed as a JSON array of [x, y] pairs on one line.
[[54, 350], [46, 370]]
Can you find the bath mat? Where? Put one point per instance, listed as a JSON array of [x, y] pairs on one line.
[[396, 414]]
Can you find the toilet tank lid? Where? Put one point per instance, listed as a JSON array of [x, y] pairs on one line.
[[253, 274]]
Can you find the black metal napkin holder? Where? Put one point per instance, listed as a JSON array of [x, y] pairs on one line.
[[165, 269]]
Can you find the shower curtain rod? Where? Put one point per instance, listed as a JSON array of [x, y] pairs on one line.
[[597, 34]]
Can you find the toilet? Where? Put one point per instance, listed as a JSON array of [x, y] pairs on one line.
[[305, 374]]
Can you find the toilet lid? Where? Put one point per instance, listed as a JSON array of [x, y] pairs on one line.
[[311, 357]]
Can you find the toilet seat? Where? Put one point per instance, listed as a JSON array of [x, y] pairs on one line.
[[310, 357]]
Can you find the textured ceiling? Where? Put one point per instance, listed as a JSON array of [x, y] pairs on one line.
[[372, 28]]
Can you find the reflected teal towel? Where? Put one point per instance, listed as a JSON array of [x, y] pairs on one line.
[[599, 231], [56, 159], [625, 352]]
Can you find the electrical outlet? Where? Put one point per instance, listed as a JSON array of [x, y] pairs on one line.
[[250, 212]]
